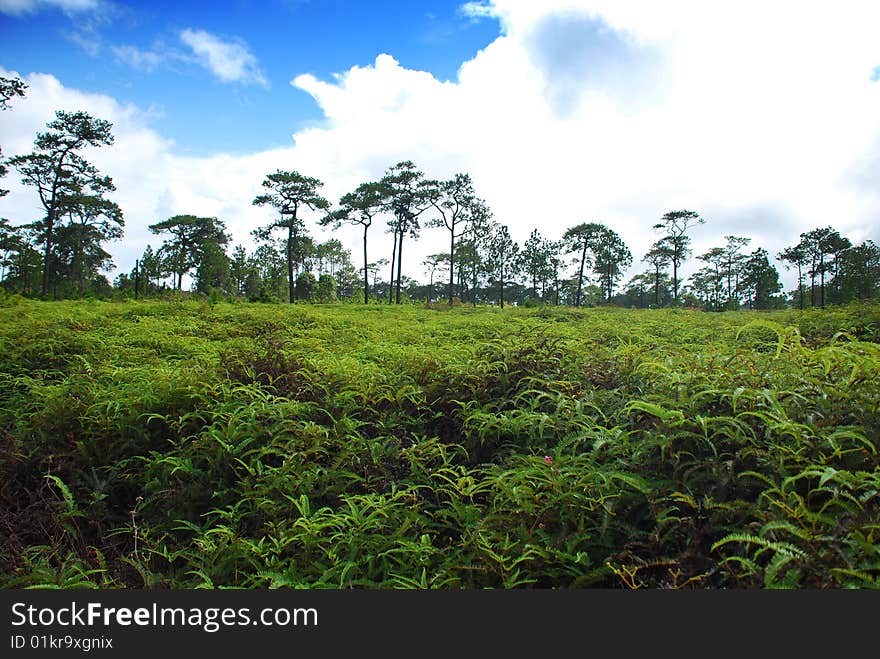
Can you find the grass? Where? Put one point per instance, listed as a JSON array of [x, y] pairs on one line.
[[188, 445]]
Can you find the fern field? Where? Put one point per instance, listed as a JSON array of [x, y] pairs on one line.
[[185, 445]]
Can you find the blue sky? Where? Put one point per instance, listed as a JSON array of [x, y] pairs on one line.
[[762, 117], [133, 51]]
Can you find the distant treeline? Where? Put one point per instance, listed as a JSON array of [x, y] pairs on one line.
[[62, 254]]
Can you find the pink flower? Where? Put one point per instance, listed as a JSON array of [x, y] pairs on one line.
[[548, 459]]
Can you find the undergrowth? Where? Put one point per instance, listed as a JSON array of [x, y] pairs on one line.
[[187, 445]]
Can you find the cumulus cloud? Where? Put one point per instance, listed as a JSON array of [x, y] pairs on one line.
[[578, 54], [230, 61], [761, 117], [618, 112]]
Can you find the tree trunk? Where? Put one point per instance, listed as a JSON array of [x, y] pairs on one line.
[[656, 287], [581, 275], [501, 287], [50, 223], [451, 262], [180, 260], [399, 263], [610, 284], [801, 285], [729, 274], [366, 275], [813, 282], [80, 271], [25, 274], [290, 278], [474, 278], [391, 277], [675, 277], [462, 285]]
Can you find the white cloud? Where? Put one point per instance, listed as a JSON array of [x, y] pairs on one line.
[[476, 10], [86, 16], [23, 7], [88, 40], [230, 61], [137, 58], [754, 138], [762, 117]]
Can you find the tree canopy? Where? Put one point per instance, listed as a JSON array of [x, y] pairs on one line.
[[61, 176], [290, 192]]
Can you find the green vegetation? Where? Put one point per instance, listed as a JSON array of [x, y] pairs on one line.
[[205, 444]]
